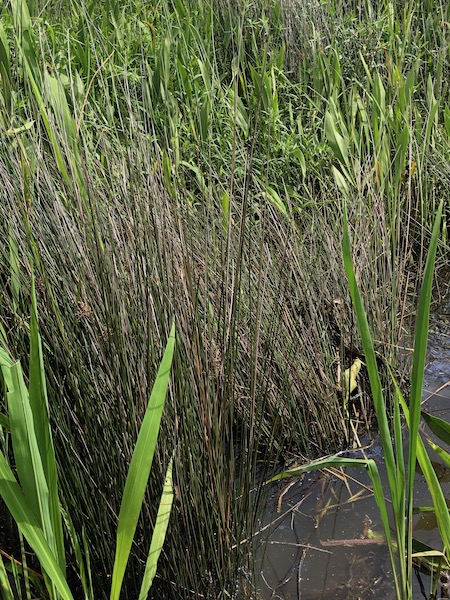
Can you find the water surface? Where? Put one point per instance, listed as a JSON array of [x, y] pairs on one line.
[[315, 529]]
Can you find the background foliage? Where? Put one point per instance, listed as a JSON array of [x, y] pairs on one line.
[[188, 159]]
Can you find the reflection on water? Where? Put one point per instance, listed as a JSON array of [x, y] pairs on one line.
[[318, 542]]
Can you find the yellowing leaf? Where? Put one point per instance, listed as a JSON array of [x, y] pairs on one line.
[[349, 383]]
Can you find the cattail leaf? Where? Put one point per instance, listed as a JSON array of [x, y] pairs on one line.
[[159, 533], [39, 407], [139, 469], [19, 507], [438, 426]]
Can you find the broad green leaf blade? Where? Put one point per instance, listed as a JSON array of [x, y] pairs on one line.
[[225, 203], [3, 338], [5, 587], [39, 407], [5, 71], [417, 375], [400, 462], [395, 473], [438, 426], [420, 345], [58, 102], [371, 364], [6, 363], [4, 421], [338, 144], [26, 451], [273, 197], [18, 506], [431, 558], [440, 452], [32, 74], [5, 366], [340, 180], [372, 470], [159, 533], [439, 502], [321, 463], [400, 500], [139, 469]]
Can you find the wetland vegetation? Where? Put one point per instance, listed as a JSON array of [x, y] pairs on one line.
[[200, 162]]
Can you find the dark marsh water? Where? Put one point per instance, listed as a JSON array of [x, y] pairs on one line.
[[312, 547]]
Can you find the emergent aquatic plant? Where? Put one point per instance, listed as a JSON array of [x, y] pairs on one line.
[[33, 497], [400, 472]]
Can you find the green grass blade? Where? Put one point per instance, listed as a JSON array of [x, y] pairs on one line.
[[399, 507], [18, 506], [5, 587], [443, 454], [159, 533], [5, 364], [418, 369], [89, 587], [438, 426], [439, 502], [371, 364], [420, 343], [4, 421], [26, 451], [39, 407], [320, 463], [395, 472], [5, 73], [14, 266], [3, 338], [84, 574], [17, 573], [43, 112], [338, 144], [372, 470], [139, 469]]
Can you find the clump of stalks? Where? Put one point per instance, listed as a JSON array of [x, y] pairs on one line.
[[156, 164]]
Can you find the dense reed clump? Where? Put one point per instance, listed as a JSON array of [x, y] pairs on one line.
[[187, 160]]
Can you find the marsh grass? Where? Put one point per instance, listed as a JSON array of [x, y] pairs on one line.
[[165, 162]]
